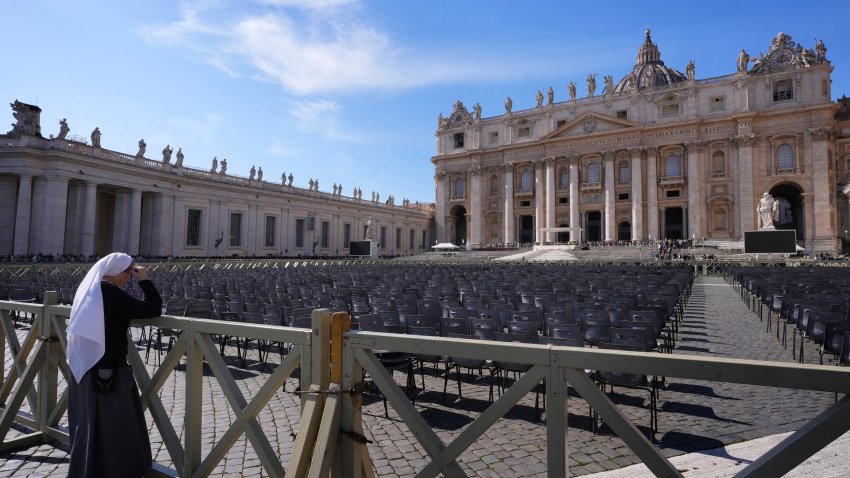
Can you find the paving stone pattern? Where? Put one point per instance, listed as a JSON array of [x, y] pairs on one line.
[[693, 415]]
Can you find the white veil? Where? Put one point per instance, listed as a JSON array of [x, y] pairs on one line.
[[86, 340]]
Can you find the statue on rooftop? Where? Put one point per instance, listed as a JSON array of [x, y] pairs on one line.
[[252, 173], [223, 166], [95, 137], [311, 185], [743, 60], [63, 128], [820, 50], [179, 162], [609, 84], [166, 153], [689, 70], [539, 98], [214, 164], [142, 148], [260, 174], [290, 179], [509, 104], [550, 96], [591, 84], [477, 111], [572, 88]]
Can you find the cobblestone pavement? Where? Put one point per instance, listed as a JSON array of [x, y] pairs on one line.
[[693, 415]]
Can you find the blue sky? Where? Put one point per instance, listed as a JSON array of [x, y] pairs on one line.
[[348, 91]]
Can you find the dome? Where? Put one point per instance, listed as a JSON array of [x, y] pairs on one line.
[[649, 71]]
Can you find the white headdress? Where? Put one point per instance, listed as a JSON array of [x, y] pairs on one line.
[[86, 336]]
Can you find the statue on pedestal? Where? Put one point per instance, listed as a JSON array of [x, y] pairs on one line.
[[252, 173], [743, 61], [179, 162], [223, 166], [166, 154], [214, 164], [142, 148], [260, 174], [765, 211], [509, 104], [370, 230], [609, 84], [550, 96], [572, 88], [477, 111], [591, 84], [95, 137], [689, 70], [539, 98], [63, 128], [290, 179]]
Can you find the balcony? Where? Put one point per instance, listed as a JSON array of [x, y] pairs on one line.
[[591, 186], [457, 198], [782, 171], [524, 192], [671, 180]]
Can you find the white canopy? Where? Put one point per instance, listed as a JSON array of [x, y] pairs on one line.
[[445, 246]]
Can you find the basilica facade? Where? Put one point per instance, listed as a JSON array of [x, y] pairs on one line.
[[658, 154], [68, 195]]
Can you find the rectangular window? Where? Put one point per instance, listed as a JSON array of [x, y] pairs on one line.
[[193, 228], [494, 137], [673, 193], [458, 140], [383, 237], [564, 200], [783, 90], [623, 196], [326, 234], [346, 235], [560, 123], [235, 229], [299, 233], [398, 238], [623, 174], [717, 103], [525, 204], [271, 231], [669, 110], [623, 114], [523, 132]]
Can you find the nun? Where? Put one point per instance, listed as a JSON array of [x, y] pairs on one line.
[[108, 433]]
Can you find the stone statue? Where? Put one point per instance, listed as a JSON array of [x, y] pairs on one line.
[[166, 153], [572, 88], [689, 70], [820, 50], [214, 164], [252, 173], [609, 84], [440, 120], [591, 84], [550, 96], [179, 162], [223, 166], [316, 185], [370, 230], [373, 196], [539, 98], [142, 148], [509, 104], [95, 137], [63, 128], [334, 186], [290, 179], [743, 60], [260, 174], [311, 185], [477, 111], [27, 119], [339, 190], [283, 178], [765, 211], [377, 197]]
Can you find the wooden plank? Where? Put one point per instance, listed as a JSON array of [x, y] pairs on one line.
[[802, 444], [20, 353], [21, 442], [193, 409], [657, 463], [556, 419], [308, 429], [323, 452], [354, 456], [19, 393]]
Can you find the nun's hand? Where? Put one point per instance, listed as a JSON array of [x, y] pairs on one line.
[[140, 273]]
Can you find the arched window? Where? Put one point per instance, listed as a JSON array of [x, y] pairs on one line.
[[494, 184], [564, 179], [672, 166], [718, 164], [623, 174], [593, 175], [458, 192], [785, 157], [525, 181]]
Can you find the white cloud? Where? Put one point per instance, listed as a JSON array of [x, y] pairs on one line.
[[282, 150], [309, 4]]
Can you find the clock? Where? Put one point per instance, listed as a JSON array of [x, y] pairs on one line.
[[782, 57]]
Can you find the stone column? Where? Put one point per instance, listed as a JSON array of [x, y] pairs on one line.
[[575, 234], [475, 214], [56, 206], [637, 195], [745, 184], [135, 222], [610, 215], [824, 234], [22, 216], [690, 158], [89, 213], [509, 204], [652, 193], [550, 198], [441, 199], [166, 226], [539, 200]]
